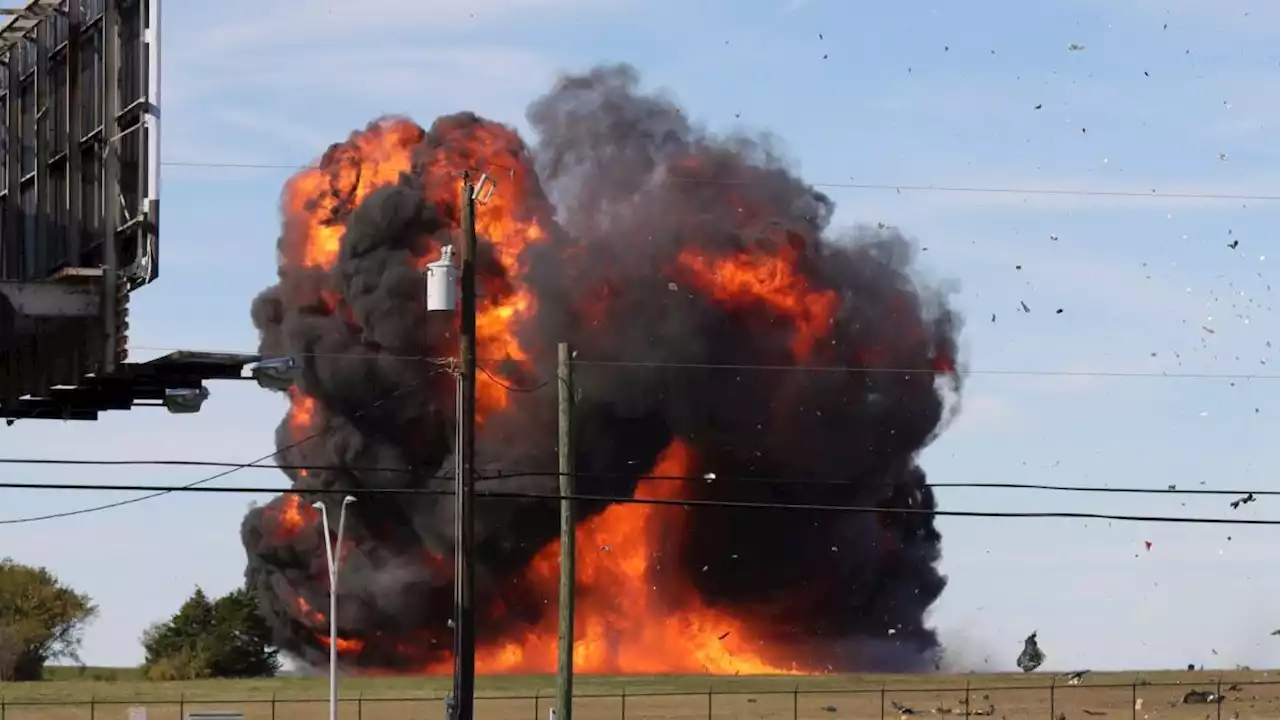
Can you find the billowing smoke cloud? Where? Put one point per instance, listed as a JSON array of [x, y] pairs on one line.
[[670, 258]]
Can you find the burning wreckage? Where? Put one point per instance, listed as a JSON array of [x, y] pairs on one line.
[[660, 251]]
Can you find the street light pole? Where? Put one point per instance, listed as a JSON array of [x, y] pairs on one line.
[[331, 557]]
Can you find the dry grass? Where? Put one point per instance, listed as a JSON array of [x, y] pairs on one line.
[[1103, 696]]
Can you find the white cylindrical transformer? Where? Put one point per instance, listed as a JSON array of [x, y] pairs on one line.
[[442, 282]]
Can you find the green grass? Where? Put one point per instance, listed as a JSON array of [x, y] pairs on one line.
[[97, 674], [840, 697], [125, 684]]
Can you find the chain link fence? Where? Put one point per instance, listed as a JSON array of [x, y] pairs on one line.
[[1059, 700]]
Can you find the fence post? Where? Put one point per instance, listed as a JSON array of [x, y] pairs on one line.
[[624, 702], [537, 704], [1219, 703], [360, 706], [795, 703], [182, 706], [273, 707], [966, 699], [2, 708], [93, 707], [708, 702], [1053, 698], [1133, 704], [882, 689]]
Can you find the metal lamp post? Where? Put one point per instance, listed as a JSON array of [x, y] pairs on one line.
[[332, 558]]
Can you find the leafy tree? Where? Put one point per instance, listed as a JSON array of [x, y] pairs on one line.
[[41, 620], [244, 638], [223, 638], [177, 649]]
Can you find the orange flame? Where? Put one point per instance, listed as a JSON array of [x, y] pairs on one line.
[[317, 199], [369, 160], [311, 616], [346, 646], [751, 278], [636, 614], [291, 516], [633, 615], [302, 412]]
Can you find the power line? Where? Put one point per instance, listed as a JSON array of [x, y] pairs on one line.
[[731, 480], [839, 369], [512, 388], [197, 483], [907, 187], [741, 505], [785, 368]]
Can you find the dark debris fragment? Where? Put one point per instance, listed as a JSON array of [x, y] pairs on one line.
[[1235, 504], [1031, 656], [1201, 697]]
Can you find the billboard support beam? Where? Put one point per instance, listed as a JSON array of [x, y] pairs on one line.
[[111, 198], [52, 300], [79, 192]]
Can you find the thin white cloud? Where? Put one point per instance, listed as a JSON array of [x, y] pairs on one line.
[[249, 82], [250, 25], [291, 134], [398, 73], [288, 113]]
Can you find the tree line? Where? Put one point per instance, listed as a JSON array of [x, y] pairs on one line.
[[42, 621]]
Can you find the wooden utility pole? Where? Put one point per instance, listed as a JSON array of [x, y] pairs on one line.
[[568, 544], [464, 638]]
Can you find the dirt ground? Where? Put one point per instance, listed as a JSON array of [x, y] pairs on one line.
[[1249, 695]]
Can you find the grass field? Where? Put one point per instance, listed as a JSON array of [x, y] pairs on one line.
[[1250, 695]]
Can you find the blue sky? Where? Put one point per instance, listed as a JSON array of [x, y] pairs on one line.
[[909, 93]]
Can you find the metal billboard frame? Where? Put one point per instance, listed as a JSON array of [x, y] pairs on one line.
[[79, 186]]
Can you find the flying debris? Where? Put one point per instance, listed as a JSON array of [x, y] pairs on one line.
[[1076, 677], [1031, 656], [1235, 504], [649, 243]]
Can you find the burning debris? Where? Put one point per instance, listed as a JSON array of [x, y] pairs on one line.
[[620, 197]]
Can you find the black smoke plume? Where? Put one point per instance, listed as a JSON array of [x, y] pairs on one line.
[[623, 183]]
